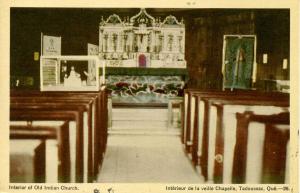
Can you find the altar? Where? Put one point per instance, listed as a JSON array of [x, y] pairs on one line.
[[144, 57], [142, 41], [144, 85]]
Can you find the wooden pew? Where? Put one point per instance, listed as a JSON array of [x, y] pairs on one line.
[[100, 119], [186, 115], [60, 134], [199, 146], [192, 116], [101, 133], [190, 107], [97, 140], [222, 127], [86, 107], [37, 103], [188, 110], [50, 115], [270, 157]]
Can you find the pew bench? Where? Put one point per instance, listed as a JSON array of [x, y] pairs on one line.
[[261, 150], [61, 102], [49, 139], [195, 130], [191, 109], [97, 128], [222, 131], [75, 119]]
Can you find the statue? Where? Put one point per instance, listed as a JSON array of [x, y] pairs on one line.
[[73, 80]]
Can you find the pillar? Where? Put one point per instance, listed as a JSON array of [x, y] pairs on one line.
[[165, 41], [100, 41]]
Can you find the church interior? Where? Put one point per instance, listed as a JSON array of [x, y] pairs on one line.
[[155, 95]]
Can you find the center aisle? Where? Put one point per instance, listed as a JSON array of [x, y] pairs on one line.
[[146, 158]]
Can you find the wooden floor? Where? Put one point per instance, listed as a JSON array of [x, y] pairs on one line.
[[146, 158]]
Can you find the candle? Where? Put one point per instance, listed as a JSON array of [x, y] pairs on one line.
[[36, 56], [254, 72], [265, 58], [284, 64]]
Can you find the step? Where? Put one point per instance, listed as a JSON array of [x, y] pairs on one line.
[[153, 114], [142, 124], [141, 120], [115, 131]]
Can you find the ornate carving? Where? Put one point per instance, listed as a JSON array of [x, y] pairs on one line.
[[163, 41], [142, 18], [171, 20], [114, 19]]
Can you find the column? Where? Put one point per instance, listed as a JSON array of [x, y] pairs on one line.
[[114, 42], [119, 39], [176, 43], [100, 41], [122, 42], [165, 41], [152, 42], [144, 43], [109, 42], [138, 42], [180, 43], [130, 41], [183, 42], [157, 42], [161, 42], [126, 42], [170, 44], [105, 43]]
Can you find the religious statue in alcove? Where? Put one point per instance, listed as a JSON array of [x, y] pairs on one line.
[[81, 75], [238, 61], [73, 79]]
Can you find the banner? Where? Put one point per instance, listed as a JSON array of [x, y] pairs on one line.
[[92, 50], [51, 45], [239, 61]]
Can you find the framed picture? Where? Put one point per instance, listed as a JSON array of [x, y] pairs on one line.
[[239, 65]]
